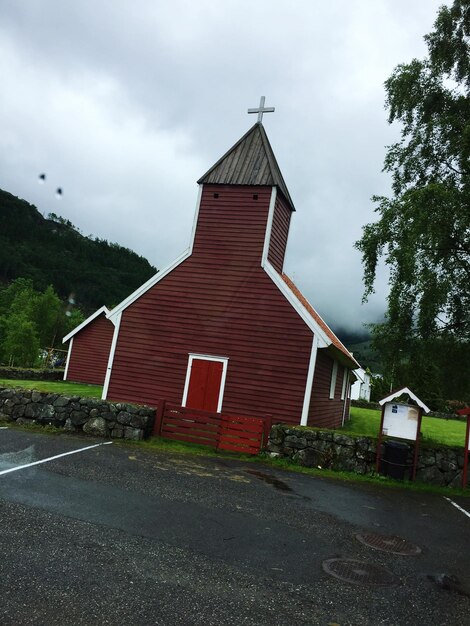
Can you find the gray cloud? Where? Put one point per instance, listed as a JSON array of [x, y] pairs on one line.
[[126, 105]]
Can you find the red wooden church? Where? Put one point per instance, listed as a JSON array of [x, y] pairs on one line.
[[222, 328]]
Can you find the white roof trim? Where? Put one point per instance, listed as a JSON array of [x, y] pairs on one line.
[[397, 394], [103, 309], [324, 340], [150, 283], [165, 271], [359, 373]]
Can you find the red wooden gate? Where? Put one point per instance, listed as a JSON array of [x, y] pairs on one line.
[[241, 434], [247, 435]]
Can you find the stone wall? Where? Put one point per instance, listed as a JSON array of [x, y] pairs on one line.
[[334, 450], [19, 373], [75, 414]]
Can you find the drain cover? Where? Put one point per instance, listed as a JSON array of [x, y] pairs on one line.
[[395, 545], [359, 572]]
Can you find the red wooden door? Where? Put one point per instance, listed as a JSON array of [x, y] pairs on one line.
[[204, 385]]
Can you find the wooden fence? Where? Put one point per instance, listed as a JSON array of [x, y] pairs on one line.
[[247, 435]]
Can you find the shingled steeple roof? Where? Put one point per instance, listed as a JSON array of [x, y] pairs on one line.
[[250, 161]]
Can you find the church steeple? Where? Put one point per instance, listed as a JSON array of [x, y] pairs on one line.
[[250, 161]]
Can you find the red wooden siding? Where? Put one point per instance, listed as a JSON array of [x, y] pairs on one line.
[[218, 302], [279, 234], [90, 351], [325, 412]]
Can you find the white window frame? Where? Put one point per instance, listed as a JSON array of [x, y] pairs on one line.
[[346, 390], [334, 374], [206, 357], [345, 382]]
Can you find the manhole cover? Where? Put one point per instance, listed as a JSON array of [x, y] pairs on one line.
[[359, 572], [395, 545]]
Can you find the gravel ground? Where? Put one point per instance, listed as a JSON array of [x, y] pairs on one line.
[[123, 535]]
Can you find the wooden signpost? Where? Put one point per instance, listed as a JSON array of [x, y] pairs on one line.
[[402, 421], [466, 449]]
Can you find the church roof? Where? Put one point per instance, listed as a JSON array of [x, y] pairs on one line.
[[250, 161], [323, 325]]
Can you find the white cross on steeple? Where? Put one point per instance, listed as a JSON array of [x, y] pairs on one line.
[[261, 109]]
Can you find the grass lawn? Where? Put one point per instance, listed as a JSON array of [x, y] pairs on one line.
[[56, 386], [448, 432]]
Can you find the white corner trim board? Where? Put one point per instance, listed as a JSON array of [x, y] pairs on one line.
[[195, 219], [107, 378], [269, 226], [309, 383], [69, 354]]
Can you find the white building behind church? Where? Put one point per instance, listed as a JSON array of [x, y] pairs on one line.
[[360, 390]]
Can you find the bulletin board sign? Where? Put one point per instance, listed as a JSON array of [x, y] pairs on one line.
[[400, 420]]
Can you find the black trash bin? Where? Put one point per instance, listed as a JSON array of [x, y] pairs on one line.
[[395, 458]]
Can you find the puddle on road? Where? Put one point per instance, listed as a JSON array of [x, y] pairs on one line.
[[271, 480], [188, 467]]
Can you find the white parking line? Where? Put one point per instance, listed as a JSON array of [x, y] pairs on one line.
[[457, 506], [51, 458]]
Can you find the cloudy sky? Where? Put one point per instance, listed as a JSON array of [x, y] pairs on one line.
[[126, 104]]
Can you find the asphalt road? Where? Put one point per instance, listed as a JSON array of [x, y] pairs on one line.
[[121, 535]]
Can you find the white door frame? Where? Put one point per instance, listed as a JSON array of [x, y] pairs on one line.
[[206, 357]]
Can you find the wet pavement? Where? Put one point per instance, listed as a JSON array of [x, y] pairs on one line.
[[118, 534]]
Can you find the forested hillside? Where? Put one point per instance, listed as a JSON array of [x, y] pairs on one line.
[[50, 251]]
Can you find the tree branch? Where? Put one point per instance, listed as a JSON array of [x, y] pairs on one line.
[[451, 167]]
